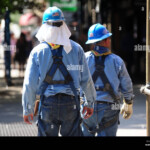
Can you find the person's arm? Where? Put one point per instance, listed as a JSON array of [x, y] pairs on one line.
[[127, 91], [126, 84], [30, 86], [86, 83]]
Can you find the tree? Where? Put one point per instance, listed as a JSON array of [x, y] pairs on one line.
[[20, 5]]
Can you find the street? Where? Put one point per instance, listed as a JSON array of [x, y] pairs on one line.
[[11, 121]]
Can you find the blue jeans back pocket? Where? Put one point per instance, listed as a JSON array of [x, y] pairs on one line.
[[46, 113]]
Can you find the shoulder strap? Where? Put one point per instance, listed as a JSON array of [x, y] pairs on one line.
[[99, 72], [58, 64]]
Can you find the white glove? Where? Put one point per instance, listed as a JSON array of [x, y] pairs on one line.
[[126, 110], [145, 89]]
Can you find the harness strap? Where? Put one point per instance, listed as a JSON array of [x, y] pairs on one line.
[[102, 125], [58, 64], [99, 72]]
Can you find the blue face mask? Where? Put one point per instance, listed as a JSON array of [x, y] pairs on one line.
[[101, 49]]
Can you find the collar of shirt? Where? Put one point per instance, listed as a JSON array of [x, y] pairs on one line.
[[100, 51], [54, 46]]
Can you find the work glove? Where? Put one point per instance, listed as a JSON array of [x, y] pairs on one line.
[[145, 89], [126, 110]]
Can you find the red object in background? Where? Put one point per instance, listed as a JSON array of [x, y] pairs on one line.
[[27, 19]]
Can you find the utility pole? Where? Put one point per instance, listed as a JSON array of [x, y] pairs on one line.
[[148, 65], [7, 48]]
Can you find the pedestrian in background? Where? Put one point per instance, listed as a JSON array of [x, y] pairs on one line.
[[20, 55], [13, 42], [29, 44]]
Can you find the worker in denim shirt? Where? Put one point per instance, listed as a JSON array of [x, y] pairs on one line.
[[56, 70], [111, 80]]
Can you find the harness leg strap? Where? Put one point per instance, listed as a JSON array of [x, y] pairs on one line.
[[101, 126]]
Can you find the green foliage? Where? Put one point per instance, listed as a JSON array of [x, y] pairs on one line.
[[17, 5], [14, 17]]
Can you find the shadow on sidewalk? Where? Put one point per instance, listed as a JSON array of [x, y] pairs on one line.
[[10, 101], [11, 112]]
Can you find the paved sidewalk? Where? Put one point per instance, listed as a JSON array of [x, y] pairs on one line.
[[11, 122], [136, 125]]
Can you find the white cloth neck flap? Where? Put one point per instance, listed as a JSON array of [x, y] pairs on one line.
[[56, 35]]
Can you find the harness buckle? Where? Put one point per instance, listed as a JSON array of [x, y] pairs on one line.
[[99, 68], [107, 87], [54, 57], [57, 60]]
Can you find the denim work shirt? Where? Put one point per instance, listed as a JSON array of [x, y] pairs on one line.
[[39, 63], [117, 75]]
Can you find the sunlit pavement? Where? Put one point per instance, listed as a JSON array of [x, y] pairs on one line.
[[14, 73], [136, 125], [11, 122]]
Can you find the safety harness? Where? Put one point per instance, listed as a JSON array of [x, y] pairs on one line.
[[99, 72], [58, 64]]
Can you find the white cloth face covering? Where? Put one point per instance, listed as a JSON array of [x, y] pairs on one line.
[[56, 35]]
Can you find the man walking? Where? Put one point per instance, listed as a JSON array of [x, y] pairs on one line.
[[53, 74], [111, 78]]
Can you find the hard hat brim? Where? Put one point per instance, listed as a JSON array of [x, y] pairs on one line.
[[100, 39]]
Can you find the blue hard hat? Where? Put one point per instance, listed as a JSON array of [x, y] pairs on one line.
[[53, 14], [96, 33]]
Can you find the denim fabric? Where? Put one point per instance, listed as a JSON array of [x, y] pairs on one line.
[[105, 113], [58, 115]]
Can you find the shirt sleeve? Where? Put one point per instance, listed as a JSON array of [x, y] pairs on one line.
[[30, 85], [86, 83], [126, 83]]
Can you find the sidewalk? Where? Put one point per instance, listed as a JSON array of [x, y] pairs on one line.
[[136, 125], [11, 122]]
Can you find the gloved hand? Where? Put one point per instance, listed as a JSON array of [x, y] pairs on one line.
[[126, 110], [145, 89]]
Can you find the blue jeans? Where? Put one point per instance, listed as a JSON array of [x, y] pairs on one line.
[[59, 115], [101, 112]]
